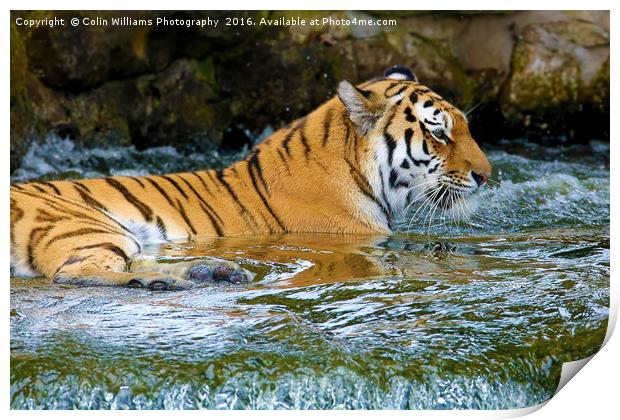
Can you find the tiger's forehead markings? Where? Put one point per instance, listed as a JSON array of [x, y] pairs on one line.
[[396, 92], [409, 115]]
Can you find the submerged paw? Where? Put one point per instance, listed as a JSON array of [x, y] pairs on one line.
[[164, 283], [217, 273]]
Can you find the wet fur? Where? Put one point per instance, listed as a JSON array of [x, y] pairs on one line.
[[351, 166]]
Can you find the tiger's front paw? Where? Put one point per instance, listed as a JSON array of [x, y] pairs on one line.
[[162, 282], [204, 273]]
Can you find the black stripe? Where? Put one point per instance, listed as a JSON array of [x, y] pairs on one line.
[[425, 146], [434, 168], [204, 184], [169, 200], [287, 140], [212, 178], [162, 227], [92, 220], [16, 215], [88, 199], [428, 103], [365, 93], [220, 177], [424, 129], [40, 233], [70, 261], [409, 115], [363, 185], [304, 142], [425, 162], [383, 196], [262, 197], [52, 186], [73, 233], [145, 210], [161, 191], [347, 129], [52, 201], [137, 180], [202, 200], [327, 122], [185, 217], [283, 158], [408, 136], [391, 145], [209, 191], [216, 226], [393, 178], [42, 190], [175, 185], [81, 185], [405, 164], [254, 162], [395, 183], [110, 247], [393, 84], [413, 98], [290, 134], [44, 216], [397, 92]]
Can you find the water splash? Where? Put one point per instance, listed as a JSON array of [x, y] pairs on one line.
[[475, 315]]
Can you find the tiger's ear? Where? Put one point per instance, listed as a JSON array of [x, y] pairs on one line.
[[363, 106], [400, 73]]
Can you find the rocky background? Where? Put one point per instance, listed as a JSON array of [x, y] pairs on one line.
[[539, 74]]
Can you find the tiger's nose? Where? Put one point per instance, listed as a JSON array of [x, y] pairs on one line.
[[480, 178]]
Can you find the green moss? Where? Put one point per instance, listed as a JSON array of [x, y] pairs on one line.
[[206, 73], [440, 67], [19, 62]]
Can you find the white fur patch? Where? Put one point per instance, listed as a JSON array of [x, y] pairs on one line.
[[398, 76], [21, 268], [145, 233]]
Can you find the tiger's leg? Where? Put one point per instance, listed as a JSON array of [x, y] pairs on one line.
[[104, 259], [70, 242], [106, 265], [199, 270]]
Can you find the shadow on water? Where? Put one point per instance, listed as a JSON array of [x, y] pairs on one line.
[[464, 315]]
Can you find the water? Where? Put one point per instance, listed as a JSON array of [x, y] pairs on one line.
[[472, 315]]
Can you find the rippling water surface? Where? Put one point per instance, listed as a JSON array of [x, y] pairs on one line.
[[470, 315]]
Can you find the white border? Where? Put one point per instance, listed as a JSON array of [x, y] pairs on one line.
[[592, 393]]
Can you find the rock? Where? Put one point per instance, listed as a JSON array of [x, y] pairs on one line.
[[524, 72], [557, 67]]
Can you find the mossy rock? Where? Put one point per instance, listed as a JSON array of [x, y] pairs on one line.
[[548, 81]]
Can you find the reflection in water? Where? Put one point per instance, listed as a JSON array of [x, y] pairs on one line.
[[475, 315]]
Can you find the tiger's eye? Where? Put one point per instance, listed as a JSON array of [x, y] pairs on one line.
[[438, 132]]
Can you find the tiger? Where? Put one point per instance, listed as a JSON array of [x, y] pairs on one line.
[[352, 166]]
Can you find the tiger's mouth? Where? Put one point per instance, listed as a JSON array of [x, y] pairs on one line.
[[445, 195], [456, 201], [447, 199]]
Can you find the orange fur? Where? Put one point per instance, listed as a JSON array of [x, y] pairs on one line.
[[327, 172]]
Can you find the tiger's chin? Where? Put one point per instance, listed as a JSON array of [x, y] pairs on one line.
[[460, 205]]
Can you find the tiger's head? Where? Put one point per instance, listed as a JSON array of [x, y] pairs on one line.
[[418, 146]]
